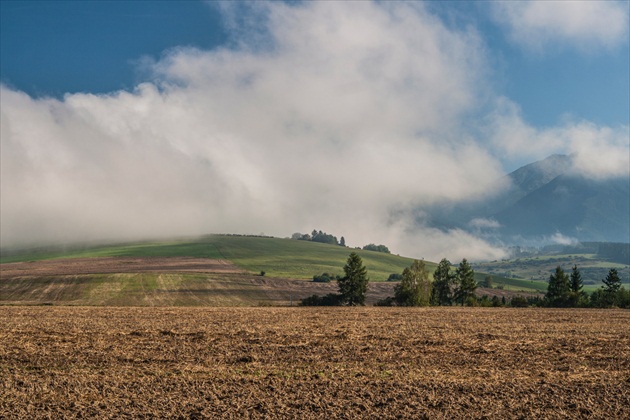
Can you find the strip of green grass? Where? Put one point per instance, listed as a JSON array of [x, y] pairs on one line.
[[196, 249], [276, 257], [302, 259]]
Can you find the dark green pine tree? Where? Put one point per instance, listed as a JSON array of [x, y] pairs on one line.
[[465, 283], [577, 296], [441, 294], [558, 289], [612, 285], [353, 286]]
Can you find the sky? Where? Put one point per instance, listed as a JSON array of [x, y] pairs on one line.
[[129, 120]]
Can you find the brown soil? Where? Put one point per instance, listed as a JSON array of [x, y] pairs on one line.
[[377, 363], [104, 265]]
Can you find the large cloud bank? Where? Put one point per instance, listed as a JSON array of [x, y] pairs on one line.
[[347, 117]]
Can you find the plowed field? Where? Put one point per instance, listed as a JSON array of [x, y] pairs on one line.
[[104, 265], [77, 362], [150, 281]]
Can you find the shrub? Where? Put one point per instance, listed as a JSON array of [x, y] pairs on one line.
[[324, 278], [388, 301], [394, 277], [470, 301], [331, 299], [519, 302], [485, 301]]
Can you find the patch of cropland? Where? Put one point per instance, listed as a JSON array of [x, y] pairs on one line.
[[68, 362]]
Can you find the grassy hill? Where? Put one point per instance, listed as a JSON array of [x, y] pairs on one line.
[[277, 257], [284, 261]]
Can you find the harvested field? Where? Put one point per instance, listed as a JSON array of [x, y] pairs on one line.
[[172, 281], [76, 362], [104, 265]]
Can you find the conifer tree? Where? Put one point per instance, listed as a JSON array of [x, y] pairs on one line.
[[465, 283], [353, 286], [558, 289], [442, 281], [577, 296], [612, 285]]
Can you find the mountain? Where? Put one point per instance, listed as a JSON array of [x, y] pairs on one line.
[[548, 198], [529, 178], [573, 206]]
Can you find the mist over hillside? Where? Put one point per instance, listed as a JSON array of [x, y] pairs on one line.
[[548, 201]]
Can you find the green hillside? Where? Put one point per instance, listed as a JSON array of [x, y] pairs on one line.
[[276, 257], [280, 259]]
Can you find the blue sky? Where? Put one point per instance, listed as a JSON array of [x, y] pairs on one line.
[[126, 120], [55, 47]]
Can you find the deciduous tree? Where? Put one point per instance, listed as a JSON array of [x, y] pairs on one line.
[[415, 286]]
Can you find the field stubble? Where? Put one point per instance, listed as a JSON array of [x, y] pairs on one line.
[[78, 362], [173, 281]]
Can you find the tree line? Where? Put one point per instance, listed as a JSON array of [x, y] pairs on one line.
[[414, 289], [458, 287], [565, 291], [327, 238], [319, 236]]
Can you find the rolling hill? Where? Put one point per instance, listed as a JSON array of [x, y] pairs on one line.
[[277, 257], [215, 270]]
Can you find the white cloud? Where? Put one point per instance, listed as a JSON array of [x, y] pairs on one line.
[[345, 121], [584, 25], [560, 239], [341, 116], [481, 223], [598, 151]]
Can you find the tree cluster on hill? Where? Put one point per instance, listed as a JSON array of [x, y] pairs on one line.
[[377, 248], [319, 236]]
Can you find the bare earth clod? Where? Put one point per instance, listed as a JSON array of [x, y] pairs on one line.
[[79, 362]]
